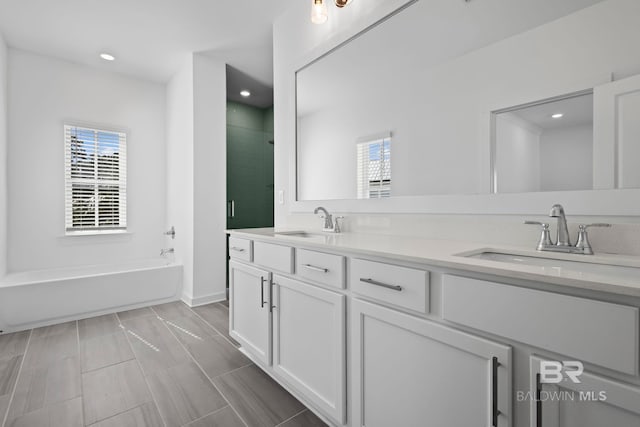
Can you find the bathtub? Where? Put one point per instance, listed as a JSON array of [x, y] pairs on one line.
[[38, 298]]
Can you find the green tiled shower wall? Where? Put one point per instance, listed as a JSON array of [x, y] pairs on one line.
[[249, 165]]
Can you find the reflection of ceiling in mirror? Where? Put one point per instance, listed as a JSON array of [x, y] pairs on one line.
[[577, 111], [448, 29]]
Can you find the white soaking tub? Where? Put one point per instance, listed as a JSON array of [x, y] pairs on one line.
[[43, 297]]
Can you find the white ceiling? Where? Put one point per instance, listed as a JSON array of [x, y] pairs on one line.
[[150, 38], [577, 111]]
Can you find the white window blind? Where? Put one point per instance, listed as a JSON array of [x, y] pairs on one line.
[[95, 180], [374, 169]]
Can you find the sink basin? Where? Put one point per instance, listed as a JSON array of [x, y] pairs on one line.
[[557, 266], [302, 234]]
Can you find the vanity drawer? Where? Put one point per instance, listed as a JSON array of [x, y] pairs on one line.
[[319, 267], [276, 257], [401, 286], [601, 333], [240, 249]]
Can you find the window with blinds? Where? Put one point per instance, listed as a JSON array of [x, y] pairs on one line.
[[374, 169], [95, 180]]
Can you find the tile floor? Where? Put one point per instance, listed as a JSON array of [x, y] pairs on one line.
[[166, 365]]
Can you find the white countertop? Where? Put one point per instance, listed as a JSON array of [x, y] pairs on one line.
[[446, 253]]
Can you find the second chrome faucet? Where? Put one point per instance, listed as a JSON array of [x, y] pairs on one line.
[[563, 242], [330, 224]]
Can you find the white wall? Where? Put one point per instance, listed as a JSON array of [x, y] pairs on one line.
[[517, 155], [566, 156], [44, 93], [179, 128], [3, 157], [196, 170], [210, 177]]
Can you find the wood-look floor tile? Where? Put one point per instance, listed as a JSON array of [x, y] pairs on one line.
[[4, 405], [183, 394], [189, 329], [216, 356], [217, 315], [98, 326], [44, 385], [13, 344], [225, 417], [146, 415], [46, 350], [138, 312], [258, 399], [105, 350], [153, 344], [9, 369], [172, 310], [305, 419], [67, 414], [225, 303], [112, 390], [55, 330]]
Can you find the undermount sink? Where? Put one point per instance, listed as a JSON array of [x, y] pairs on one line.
[[300, 233], [555, 265]]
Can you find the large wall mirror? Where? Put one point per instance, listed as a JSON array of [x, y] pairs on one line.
[[450, 97]]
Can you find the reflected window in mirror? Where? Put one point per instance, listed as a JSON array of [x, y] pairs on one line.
[[544, 146], [374, 168]]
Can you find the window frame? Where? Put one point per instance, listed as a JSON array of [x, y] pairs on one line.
[[120, 183]]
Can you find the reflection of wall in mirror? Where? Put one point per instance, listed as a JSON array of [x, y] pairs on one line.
[[517, 154]]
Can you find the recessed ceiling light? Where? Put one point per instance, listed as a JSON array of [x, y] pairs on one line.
[[557, 116], [107, 57], [245, 93]]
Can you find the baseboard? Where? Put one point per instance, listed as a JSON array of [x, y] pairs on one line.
[[207, 299]]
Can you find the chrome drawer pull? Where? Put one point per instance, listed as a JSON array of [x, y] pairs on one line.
[[384, 285], [314, 268], [237, 249]]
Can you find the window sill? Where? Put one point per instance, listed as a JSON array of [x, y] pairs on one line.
[[97, 233]]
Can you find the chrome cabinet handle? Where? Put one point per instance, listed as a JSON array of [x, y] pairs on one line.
[[237, 249], [494, 392], [262, 301], [314, 268], [384, 285], [538, 401]]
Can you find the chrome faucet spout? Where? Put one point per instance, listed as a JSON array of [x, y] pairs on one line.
[[557, 211], [328, 219]]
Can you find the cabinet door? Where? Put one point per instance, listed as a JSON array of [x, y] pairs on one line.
[[309, 343], [411, 372], [249, 303], [595, 401]]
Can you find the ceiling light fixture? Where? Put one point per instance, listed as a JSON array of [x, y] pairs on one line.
[[245, 93], [557, 116], [342, 3], [107, 57], [319, 12]]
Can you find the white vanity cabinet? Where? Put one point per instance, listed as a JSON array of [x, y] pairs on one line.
[[413, 372], [595, 401], [249, 309], [295, 330], [309, 342]]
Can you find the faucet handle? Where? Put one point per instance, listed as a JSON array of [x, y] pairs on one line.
[[596, 224], [545, 236], [336, 224], [583, 237]]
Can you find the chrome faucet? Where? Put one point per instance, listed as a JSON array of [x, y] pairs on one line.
[[557, 211], [329, 223], [563, 243], [163, 252]]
